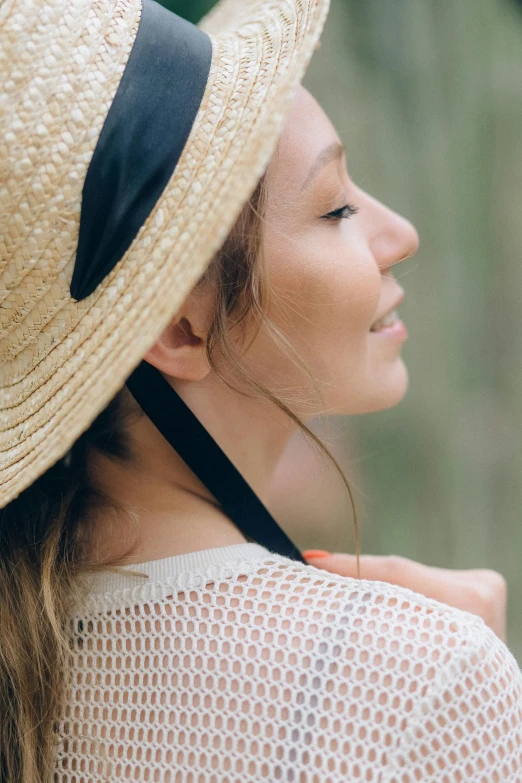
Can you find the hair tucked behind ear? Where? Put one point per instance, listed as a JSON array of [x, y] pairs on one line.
[[44, 533]]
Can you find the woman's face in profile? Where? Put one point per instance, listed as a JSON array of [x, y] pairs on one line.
[[329, 248]]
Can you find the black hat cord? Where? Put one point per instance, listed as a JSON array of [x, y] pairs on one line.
[[198, 449]]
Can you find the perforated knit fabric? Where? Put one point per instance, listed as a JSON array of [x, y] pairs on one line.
[[235, 664]]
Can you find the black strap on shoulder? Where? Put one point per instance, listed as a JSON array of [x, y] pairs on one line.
[[187, 435]]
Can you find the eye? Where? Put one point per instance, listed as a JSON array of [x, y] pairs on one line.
[[343, 212]]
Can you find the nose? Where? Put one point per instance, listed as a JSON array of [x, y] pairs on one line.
[[393, 238]]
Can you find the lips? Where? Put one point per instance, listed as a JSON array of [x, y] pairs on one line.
[[387, 320], [389, 317]]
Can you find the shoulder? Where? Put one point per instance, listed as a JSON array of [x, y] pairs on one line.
[[447, 689], [383, 605], [394, 635]]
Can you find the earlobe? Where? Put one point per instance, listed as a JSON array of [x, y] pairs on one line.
[[179, 352]]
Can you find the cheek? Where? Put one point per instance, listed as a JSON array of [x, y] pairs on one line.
[[325, 292]]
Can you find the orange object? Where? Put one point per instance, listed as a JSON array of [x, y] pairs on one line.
[[312, 553]]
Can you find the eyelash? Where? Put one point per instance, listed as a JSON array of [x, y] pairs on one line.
[[342, 213]]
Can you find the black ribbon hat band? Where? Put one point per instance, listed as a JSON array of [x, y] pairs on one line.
[[141, 141]]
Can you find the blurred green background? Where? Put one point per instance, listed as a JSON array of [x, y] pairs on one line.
[[427, 97]]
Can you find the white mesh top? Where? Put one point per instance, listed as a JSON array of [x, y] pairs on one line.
[[237, 665]]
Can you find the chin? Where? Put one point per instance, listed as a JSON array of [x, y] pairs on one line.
[[381, 393], [392, 389]]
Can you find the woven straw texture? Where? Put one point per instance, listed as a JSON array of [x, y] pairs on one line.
[[257, 668], [61, 61]]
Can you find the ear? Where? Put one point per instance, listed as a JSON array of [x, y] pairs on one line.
[[180, 349]]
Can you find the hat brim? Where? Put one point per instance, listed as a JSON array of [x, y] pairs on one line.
[[65, 360]]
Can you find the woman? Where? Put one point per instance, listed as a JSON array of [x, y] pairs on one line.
[[187, 263]]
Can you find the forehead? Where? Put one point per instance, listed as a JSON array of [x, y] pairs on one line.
[[306, 133]]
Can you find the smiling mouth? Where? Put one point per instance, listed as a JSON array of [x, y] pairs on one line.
[[385, 322]]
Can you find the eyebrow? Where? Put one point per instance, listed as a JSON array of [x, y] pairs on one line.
[[332, 152]]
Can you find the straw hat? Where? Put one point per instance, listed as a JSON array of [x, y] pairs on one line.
[[63, 358]]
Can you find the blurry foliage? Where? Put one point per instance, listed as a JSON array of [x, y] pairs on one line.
[[192, 10], [427, 97]]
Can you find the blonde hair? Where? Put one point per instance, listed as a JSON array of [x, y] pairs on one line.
[[44, 532]]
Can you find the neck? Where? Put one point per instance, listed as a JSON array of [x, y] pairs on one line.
[[175, 512]]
